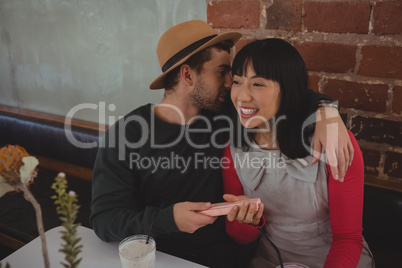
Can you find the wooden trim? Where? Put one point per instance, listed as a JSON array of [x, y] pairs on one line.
[[10, 242], [389, 184], [69, 169], [56, 119]]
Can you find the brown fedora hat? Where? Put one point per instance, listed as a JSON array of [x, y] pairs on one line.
[[182, 41]]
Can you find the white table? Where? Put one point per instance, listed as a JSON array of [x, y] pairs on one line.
[[95, 253]]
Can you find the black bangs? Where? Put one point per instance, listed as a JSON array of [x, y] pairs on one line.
[[264, 58], [273, 59], [240, 62]]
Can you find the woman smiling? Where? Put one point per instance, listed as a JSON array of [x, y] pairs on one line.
[[312, 218]]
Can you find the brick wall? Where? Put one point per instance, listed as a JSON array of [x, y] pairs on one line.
[[353, 51]]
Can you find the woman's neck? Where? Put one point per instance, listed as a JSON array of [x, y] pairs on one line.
[[266, 139]]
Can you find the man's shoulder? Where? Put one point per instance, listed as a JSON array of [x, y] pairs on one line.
[[140, 114], [143, 111], [136, 117]]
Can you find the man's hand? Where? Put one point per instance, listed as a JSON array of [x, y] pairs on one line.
[[331, 133], [247, 213], [187, 219]]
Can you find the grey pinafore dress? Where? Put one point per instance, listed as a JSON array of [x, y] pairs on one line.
[[295, 195]]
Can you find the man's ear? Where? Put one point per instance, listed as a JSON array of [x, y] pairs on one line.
[[187, 75]]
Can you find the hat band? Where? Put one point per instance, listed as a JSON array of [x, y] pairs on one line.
[[185, 51]]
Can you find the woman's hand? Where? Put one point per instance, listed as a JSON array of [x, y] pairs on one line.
[[247, 212]]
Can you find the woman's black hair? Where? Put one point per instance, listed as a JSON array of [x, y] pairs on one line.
[[277, 60]]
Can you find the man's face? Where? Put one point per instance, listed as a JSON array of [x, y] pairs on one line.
[[213, 82]]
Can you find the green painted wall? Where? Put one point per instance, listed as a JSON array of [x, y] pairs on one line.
[[57, 54]]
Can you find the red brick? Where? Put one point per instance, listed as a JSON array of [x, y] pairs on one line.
[[397, 100], [357, 95], [337, 17], [377, 130], [284, 15], [371, 161], [392, 166], [324, 57], [313, 81], [234, 14], [381, 62], [387, 17]]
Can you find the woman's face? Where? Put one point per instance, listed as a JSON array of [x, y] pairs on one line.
[[256, 99]]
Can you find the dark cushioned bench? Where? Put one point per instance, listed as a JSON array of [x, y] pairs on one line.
[[45, 139], [382, 225]]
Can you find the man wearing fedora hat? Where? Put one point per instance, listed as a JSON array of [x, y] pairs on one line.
[[161, 164]]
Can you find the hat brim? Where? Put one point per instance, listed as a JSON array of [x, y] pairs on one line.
[[159, 82]]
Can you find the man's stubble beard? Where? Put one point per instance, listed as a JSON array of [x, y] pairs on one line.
[[201, 99]]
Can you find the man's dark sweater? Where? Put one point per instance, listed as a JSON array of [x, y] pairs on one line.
[[185, 167]]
